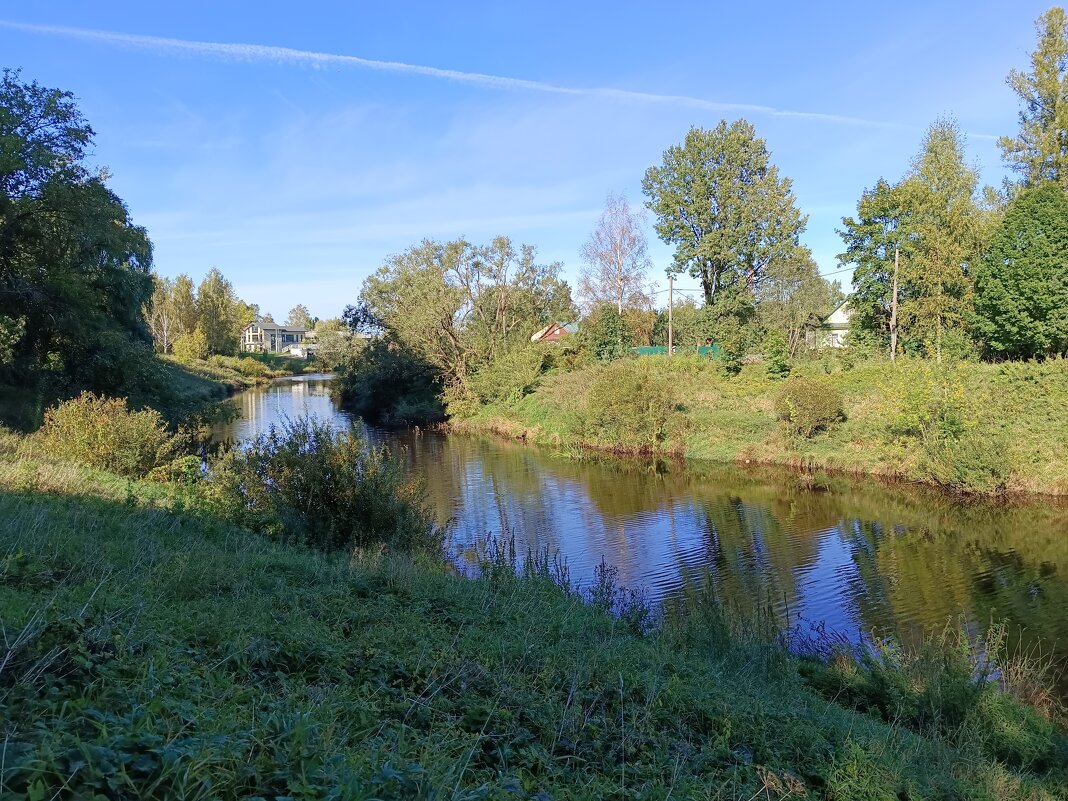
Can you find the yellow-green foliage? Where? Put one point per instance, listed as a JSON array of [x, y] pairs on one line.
[[807, 406], [630, 404], [105, 433], [512, 376]]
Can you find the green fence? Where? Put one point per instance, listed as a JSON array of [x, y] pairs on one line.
[[660, 350]]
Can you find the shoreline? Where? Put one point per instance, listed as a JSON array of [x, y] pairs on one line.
[[802, 466]]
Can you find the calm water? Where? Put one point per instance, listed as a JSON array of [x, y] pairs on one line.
[[863, 557]]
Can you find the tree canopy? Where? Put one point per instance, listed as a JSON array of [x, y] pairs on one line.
[[1039, 152], [617, 259], [1021, 307], [720, 201], [74, 269]]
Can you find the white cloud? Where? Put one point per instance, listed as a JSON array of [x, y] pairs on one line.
[[287, 55]]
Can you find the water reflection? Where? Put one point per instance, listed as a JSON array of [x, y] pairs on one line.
[[858, 555]]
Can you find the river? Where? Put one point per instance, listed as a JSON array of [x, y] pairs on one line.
[[862, 557]]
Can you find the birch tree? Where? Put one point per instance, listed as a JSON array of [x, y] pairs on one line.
[[617, 259]]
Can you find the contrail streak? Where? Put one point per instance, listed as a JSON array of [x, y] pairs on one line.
[[287, 55]]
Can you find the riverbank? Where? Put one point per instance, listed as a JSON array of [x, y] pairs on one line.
[[157, 647], [983, 428]]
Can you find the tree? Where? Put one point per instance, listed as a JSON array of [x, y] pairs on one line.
[[1021, 305], [794, 298], [184, 299], [616, 257], [74, 269], [457, 306], [1039, 152], [218, 313], [946, 228], [160, 314], [605, 335], [871, 239], [932, 217], [299, 316], [721, 202]]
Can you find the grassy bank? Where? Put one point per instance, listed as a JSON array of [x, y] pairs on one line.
[[246, 370], [970, 427], [154, 650]]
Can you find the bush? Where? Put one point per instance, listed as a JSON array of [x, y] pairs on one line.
[[776, 355], [305, 482], [963, 449], [512, 376], [807, 406], [104, 433], [387, 384], [605, 334], [631, 404]]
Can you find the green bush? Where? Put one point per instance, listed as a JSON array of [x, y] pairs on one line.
[[512, 376], [387, 384], [776, 355], [103, 432], [807, 406], [306, 482], [605, 335], [963, 448], [632, 404]]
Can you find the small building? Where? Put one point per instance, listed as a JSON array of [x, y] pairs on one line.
[[833, 330], [302, 350], [554, 332], [269, 337]]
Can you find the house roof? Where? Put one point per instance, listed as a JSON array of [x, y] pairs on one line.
[[296, 329]]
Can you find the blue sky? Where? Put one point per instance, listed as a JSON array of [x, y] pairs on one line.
[[297, 172]]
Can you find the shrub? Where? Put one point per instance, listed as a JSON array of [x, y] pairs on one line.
[[962, 447], [388, 384], [190, 347], [104, 433], [631, 404], [605, 334], [776, 355], [305, 482], [807, 406], [512, 376]]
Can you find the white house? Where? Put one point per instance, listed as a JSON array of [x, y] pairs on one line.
[[833, 330], [269, 337]]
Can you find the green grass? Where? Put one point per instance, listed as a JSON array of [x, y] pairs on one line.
[[153, 651], [972, 427]]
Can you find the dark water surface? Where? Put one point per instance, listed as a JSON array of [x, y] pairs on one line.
[[861, 556]]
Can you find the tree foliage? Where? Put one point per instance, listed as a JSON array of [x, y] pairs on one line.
[[933, 217], [300, 316], [74, 269], [458, 306], [794, 299], [720, 201], [617, 259], [1039, 152], [1022, 284]]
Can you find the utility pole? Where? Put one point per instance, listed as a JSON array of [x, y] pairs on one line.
[[671, 304], [893, 309]]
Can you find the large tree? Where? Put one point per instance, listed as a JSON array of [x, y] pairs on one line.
[[219, 313], [617, 259], [933, 219], [946, 228], [1039, 152], [458, 306], [720, 201], [74, 269], [1021, 306]]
